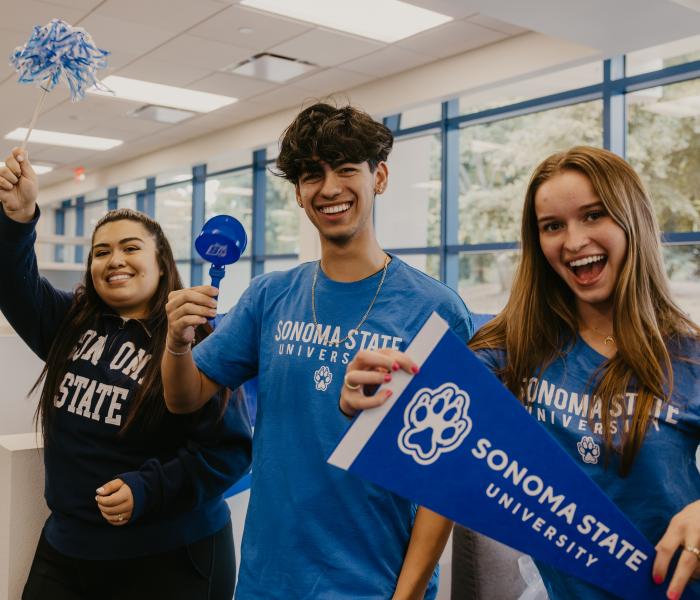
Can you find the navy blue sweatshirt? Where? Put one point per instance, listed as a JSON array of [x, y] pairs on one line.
[[177, 471]]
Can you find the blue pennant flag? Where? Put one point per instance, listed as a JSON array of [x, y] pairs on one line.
[[453, 439]]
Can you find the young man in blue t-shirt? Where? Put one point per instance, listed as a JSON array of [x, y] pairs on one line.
[[314, 531]]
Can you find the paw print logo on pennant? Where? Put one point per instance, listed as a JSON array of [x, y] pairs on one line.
[[323, 378], [589, 450], [435, 422]]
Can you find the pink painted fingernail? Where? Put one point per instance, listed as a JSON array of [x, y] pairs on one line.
[[389, 393], [395, 367], [387, 378], [672, 595], [657, 578], [414, 369]]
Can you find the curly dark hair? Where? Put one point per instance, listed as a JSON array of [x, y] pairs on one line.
[[333, 135]]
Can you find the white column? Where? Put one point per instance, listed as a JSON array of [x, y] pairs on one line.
[[23, 510]]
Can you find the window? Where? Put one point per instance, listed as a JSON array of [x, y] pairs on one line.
[[497, 159], [663, 146], [664, 55], [421, 115], [281, 217], [683, 269], [535, 87], [407, 215], [232, 285], [231, 194], [427, 263], [485, 279], [174, 213]]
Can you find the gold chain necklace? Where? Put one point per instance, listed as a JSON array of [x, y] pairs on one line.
[[607, 339], [369, 308]]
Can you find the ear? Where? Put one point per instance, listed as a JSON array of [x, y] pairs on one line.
[[298, 195], [381, 178]]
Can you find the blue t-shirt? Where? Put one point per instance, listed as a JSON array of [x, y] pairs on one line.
[[314, 531], [664, 477]]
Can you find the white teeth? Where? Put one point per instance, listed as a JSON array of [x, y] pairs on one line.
[[586, 261], [118, 278], [331, 210]]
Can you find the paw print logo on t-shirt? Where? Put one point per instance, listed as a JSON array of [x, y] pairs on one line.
[[323, 378], [589, 450]]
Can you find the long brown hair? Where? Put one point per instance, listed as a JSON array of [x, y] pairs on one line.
[[147, 405], [539, 322]]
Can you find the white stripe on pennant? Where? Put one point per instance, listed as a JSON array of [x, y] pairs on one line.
[[367, 422]]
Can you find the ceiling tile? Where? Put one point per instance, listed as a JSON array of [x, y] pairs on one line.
[[332, 80], [173, 15], [388, 61], [326, 48], [115, 34], [232, 85], [496, 24], [267, 30], [23, 17], [451, 38], [284, 97], [69, 117], [10, 40], [117, 132], [79, 4], [60, 155], [159, 71], [197, 52]]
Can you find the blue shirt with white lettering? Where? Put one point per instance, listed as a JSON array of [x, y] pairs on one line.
[[664, 477], [312, 530]]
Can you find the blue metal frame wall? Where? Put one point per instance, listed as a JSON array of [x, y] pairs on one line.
[[611, 90]]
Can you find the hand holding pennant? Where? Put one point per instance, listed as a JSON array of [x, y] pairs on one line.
[[455, 440]]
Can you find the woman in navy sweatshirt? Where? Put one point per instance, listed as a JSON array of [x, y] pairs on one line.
[[135, 493]]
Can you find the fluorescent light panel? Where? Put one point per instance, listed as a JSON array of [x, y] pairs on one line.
[[162, 95], [69, 140], [383, 20], [42, 169]]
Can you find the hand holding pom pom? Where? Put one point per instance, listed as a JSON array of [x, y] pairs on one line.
[[57, 51]]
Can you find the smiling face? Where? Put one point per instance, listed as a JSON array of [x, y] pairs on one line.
[[579, 239], [124, 268], [338, 200]]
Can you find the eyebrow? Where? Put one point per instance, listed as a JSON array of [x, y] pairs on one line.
[[584, 208], [122, 241]]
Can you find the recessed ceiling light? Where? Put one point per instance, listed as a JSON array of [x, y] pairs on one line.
[[383, 20], [69, 140], [42, 168], [271, 67], [245, 30], [162, 95]]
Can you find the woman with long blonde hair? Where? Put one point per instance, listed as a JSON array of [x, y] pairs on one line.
[[596, 349]]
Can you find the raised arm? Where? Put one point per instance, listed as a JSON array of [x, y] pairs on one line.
[[34, 308], [185, 388]]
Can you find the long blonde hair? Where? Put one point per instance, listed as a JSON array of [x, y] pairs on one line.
[[539, 322]]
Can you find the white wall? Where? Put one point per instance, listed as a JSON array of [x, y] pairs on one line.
[[19, 369]]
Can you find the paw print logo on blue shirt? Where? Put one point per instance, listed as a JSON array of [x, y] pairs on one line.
[[435, 421], [589, 450], [323, 378]]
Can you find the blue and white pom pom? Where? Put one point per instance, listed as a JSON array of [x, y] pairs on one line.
[[56, 50]]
